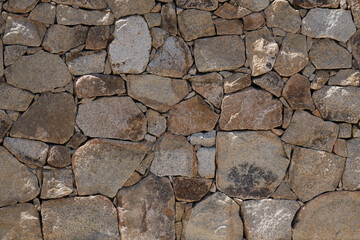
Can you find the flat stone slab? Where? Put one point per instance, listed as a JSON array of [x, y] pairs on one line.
[[297, 93], [191, 189], [15, 99], [351, 177], [208, 5], [194, 24], [66, 15], [57, 183], [86, 62], [122, 8], [91, 4]]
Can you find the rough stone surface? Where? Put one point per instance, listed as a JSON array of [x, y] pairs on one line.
[[355, 43], [15, 99], [66, 15], [5, 123], [156, 123], [206, 139], [253, 5], [281, 15], [44, 12], [297, 93], [253, 21], [12, 53], [351, 178], [191, 189], [208, 5], [59, 156], [57, 183], [270, 82], [321, 78], [194, 24], [228, 27], [86, 62], [230, 11], [75, 141], [316, 3], [284, 192], [169, 18], [97, 37], [90, 4], [20, 6], [236, 82], [122, 8], [206, 162], [348, 77], [159, 36]]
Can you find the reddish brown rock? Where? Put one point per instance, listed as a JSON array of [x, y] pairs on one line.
[[253, 21], [271, 82], [230, 11], [191, 189], [97, 37], [297, 93], [59, 156], [228, 27], [236, 82]]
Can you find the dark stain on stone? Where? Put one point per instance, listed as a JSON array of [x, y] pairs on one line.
[[190, 189], [4, 127], [135, 124]]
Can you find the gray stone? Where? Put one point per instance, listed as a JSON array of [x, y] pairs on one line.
[[57, 183], [59, 156], [44, 12], [206, 139], [90, 4], [351, 178], [253, 5], [195, 24], [355, 44], [156, 123], [86, 62], [12, 53], [158, 36], [206, 162], [348, 77], [97, 37], [228, 26], [14, 99], [122, 8], [236, 82], [208, 5], [19, 6], [66, 15], [271, 82]]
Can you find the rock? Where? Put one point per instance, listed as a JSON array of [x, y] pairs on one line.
[[194, 24], [340, 147], [59, 156], [253, 5], [168, 18], [250, 109], [86, 62], [230, 11], [173, 59], [261, 50], [23, 31], [206, 162], [60, 39], [281, 15], [27, 151], [90, 4], [297, 93], [158, 36], [293, 56], [191, 116], [214, 218], [316, 3], [156, 123], [191, 189], [5, 123], [250, 164], [153, 19], [219, 53], [345, 130], [133, 179], [66, 15], [315, 24], [14, 99], [32, 72], [284, 192], [236, 82], [57, 183], [348, 77], [129, 51], [44, 12], [331, 215], [89, 86], [157, 92], [253, 21], [112, 117], [206, 139], [321, 78], [270, 82], [20, 6], [208, 5], [12, 53], [91, 217], [76, 140], [351, 178], [263, 221], [151, 200], [97, 37], [20, 221], [122, 8], [17, 182], [313, 172], [355, 10], [309, 131], [228, 27], [331, 101], [174, 155], [50, 119], [355, 45]]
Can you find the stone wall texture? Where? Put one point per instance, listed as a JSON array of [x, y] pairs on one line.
[[179, 120]]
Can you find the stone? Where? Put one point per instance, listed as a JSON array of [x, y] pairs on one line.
[[206, 162], [253, 21], [174, 155], [44, 12], [14, 99], [355, 45], [158, 36], [20, 6], [281, 15], [66, 15], [130, 50], [331, 215], [20, 221], [330, 100], [351, 178], [91, 217], [345, 130], [313, 172], [50, 119], [168, 18], [284, 192], [133, 179], [23, 31], [293, 56], [230, 11], [206, 139], [270, 82], [112, 117], [153, 19], [32, 72], [250, 164], [315, 24], [253, 5], [261, 50], [90, 4], [17, 182], [208, 5], [191, 189], [268, 218], [340, 147], [191, 116], [309, 131], [297, 93], [316, 3], [250, 109], [86, 62], [76, 140], [12, 53], [214, 218], [172, 59], [236, 82], [219, 53], [89, 86], [97, 37], [122, 8], [60, 39], [156, 123], [348, 77], [321, 78], [59, 156], [151, 200], [228, 27], [355, 10], [194, 24], [157, 92], [57, 183], [5, 123]]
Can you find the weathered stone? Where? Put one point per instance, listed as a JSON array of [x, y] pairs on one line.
[[313, 172], [153, 19], [191, 116], [91, 217], [316, 24], [59, 156], [86, 62], [112, 117], [309, 131], [268, 219], [242, 110], [345, 130], [156, 123], [316, 3], [32, 72], [97, 37], [133, 179], [236, 82], [334, 215], [20, 6], [151, 200], [321, 78], [230, 11], [20, 221], [23, 31], [214, 218], [348, 77], [261, 50], [331, 102], [293, 56], [5, 123], [90, 4], [281, 15], [122, 8], [174, 155], [57, 183], [355, 43], [129, 51], [228, 27], [157, 92], [66, 15], [253, 5], [271, 82], [206, 139], [253, 21], [191, 189], [284, 192], [76, 140], [206, 162], [12, 53], [194, 24], [250, 164], [173, 59], [15, 99], [219, 53], [340, 147], [50, 119], [17, 182], [351, 178], [208, 5], [44, 12], [158, 36], [168, 18], [297, 93]]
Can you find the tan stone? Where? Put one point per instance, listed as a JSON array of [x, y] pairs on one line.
[[122, 8], [191, 189], [156, 123], [340, 147], [97, 37], [15, 99], [228, 27], [271, 82], [19, 6], [158, 36], [208, 5], [253, 21], [57, 183], [321, 78], [194, 24], [230, 11], [297, 93], [281, 15], [133, 179], [351, 178], [169, 18], [66, 15], [153, 19], [90, 4], [284, 192], [59, 156], [236, 82], [348, 77], [44, 12], [316, 3], [253, 5], [76, 140]]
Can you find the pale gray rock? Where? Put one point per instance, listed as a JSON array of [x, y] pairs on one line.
[[14, 99], [57, 183], [90, 4], [206, 162], [253, 5], [66, 15], [20, 6], [12, 53], [348, 77], [86, 62], [351, 177], [194, 24], [122, 8], [206, 139], [44, 13]]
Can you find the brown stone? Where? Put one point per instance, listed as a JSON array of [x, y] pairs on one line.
[[316, 3], [254, 6], [271, 82], [156, 123], [355, 41], [122, 8], [153, 19], [297, 93], [20, 6], [59, 156], [228, 27], [90, 4], [133, 179], [348, 77], [5, 123], [76, 140], [253, 21], [236, 82], [340, 147], [57, 183], [86, 62], [208, 5], [15, 99], [13, 53], [355, 11], [230, 11], [168, 18], [44, 12], [66, 15], [97, 37], [158, 36], [351, 178], [194, 24], [191, 189], [284, 192], [321, 78]]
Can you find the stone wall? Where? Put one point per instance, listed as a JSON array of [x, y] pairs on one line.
[[179, 119]]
